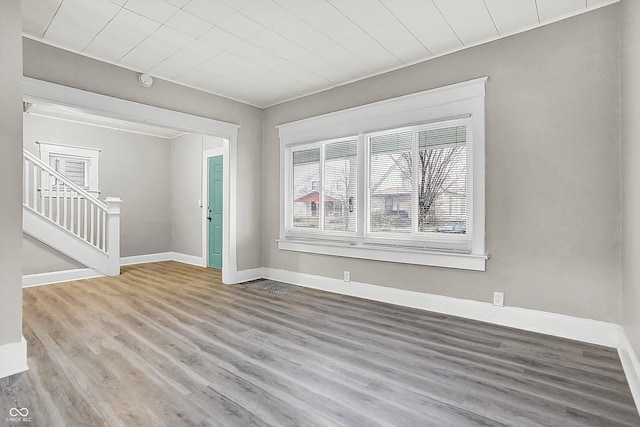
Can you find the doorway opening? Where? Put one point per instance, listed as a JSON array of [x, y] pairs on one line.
[[82, 102]]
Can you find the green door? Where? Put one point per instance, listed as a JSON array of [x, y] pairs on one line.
[[215, 212]]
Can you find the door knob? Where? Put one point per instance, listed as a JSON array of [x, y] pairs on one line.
[[209, 218]]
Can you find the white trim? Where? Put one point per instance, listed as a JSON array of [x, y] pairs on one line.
[[13, 358], [54, 235], [90, 156], [36, 91], [461, 102], [586, 330], [451, 101], [40, 91], [392, 254], [40, 279], [144, 259], [251, 274], [631, 365], [188, 259], [50, 278], [164, 256]]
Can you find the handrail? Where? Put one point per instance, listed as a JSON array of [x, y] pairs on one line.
[[60, 177], [61, 214]]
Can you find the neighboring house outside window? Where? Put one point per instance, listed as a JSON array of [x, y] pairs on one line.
[[78, 164], [404, 182]]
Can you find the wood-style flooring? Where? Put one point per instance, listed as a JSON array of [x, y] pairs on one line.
[[167, 344]]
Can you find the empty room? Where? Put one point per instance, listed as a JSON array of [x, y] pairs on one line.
[[320, 212]]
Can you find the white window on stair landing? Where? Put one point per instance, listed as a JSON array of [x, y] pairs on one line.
[[78, 164]]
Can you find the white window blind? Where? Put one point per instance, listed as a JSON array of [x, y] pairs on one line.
[[306, 194], [390, 172], [74, 169], [78, 164], [442, 180], [340, 186]]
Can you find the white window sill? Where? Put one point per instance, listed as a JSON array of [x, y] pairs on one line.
[[403, 255]]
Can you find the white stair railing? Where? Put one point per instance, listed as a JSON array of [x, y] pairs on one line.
[[54, 197]]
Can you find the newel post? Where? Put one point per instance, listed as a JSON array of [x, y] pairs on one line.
[[113, 235]]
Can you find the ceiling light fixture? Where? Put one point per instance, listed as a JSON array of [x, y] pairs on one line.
[[145, 80]]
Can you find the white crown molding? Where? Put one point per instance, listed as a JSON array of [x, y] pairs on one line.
[[13, 358]]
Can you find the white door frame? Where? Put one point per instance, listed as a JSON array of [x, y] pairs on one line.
[[40, 91]]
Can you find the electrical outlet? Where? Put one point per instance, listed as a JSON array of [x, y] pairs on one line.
[[498, 299], [347, 276]]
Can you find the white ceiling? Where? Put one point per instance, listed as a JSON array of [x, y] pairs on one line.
[[263, 52]]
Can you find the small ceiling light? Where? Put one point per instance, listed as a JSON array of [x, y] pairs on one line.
[[145, 80]]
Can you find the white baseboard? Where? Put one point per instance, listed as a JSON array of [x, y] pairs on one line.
[[587, 330], [188, 259], [576, 328], [631, 365], [13, 358], [163, 256], [89, 273], [40, 279], [247, 275], [144, 259]]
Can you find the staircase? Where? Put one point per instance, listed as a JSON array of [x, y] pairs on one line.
[[67, 218]]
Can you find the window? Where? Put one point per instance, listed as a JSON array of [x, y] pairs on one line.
[[405, 183], [332, 205], [416, 177], [73, 168], [78, 164]]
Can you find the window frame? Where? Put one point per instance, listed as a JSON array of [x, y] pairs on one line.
[[435, 108], [49, 152], [414, 237], [311, 232]]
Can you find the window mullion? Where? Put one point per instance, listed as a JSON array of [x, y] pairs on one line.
[[415, 183], [321, 190], [362, 203]]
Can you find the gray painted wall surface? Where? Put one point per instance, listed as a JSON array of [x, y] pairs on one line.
[[62, 67], [10, 172], [553, 170], [40, 258], [186, 186], [134, 167], [631, 172]]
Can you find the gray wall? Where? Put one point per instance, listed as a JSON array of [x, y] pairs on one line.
[[631, 172], [132, 166], [10, 172], [553, 172], [40, 258], [186, 190], [59, 66]]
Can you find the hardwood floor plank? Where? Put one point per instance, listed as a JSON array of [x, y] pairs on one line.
[[166, 344]]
